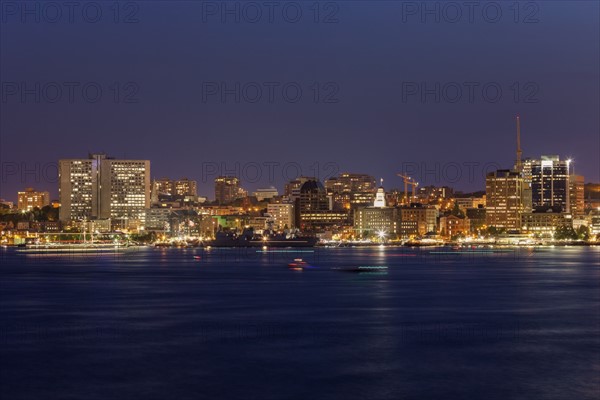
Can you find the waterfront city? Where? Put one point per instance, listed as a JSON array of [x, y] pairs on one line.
[[537, 201], [299, 200]]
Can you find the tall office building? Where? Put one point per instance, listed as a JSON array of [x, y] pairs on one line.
[[576, 194], [313, 197], [504, 199], [227, 189], [103, 187], [526, 170], [30, 199], [549, 182], [351, 190], [314, 208]]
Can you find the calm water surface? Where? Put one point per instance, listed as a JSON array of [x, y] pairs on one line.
[[238, 324]]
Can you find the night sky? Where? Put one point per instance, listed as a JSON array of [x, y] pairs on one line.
[[364, 60]]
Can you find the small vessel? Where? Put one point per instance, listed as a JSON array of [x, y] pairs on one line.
[[269, 239], [427, 241], [298, 263], [370, 269], [73, 248]]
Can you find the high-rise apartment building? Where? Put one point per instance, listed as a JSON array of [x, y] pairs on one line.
[[227, 189], [185, 187], [30, 199], [282, 215], [504, 199], [163, 186], [103, 187]]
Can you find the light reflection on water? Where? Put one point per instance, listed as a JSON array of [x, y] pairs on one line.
[[237, 323]]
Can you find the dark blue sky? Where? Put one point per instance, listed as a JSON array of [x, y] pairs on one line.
[[365, 68]]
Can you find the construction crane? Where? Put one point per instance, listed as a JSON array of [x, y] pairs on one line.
[[408, 181]]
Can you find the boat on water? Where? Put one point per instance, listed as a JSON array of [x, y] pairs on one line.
[[297, 265], [423, 242], [369, 269], [298, 262], [248, 238], [72, 248], [300, 265]]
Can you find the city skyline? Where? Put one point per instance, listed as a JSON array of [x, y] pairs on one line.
[[467, 171]]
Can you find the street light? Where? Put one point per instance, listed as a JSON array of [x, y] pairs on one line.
[[381, 234]]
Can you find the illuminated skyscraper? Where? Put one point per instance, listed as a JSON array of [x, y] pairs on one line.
[[504, 199], [103, 187], [550, 182]]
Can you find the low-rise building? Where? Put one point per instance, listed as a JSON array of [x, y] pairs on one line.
[[476, 219], [452, 225], [371, 222], [100, 225], [469, 202], [424, 216], [258, 223], [158, 219], [595, 225], [544, 221]]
